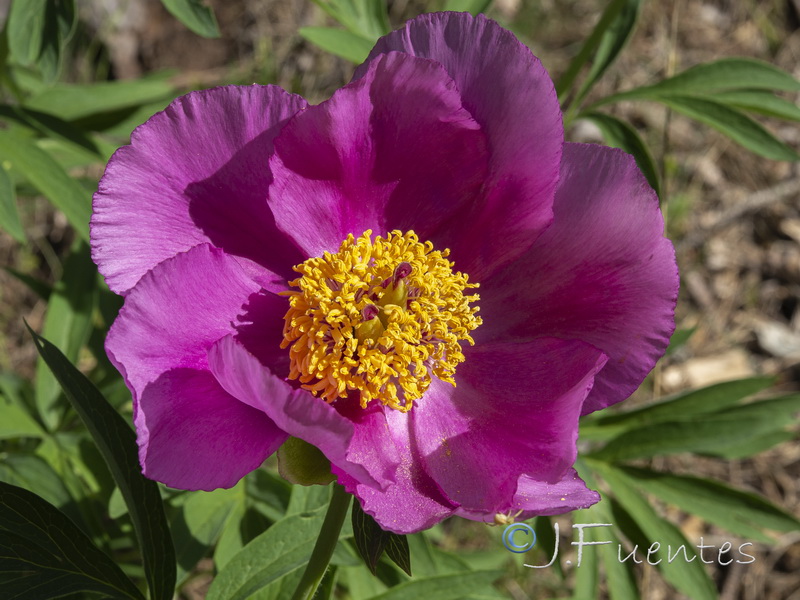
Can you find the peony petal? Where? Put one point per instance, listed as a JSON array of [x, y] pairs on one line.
[[196, 172], [603, 273], [535, 497], [508, 92], [194, 436], [295, 411], [175, 313], [394, 150], [414, 502], [514, 411]]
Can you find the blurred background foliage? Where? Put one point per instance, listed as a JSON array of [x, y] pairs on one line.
[[702, 92]]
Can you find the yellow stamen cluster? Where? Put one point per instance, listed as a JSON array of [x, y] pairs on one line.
[[379, 317]]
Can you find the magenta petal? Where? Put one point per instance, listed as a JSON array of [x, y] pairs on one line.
[[175, 313], [514, 411], [394, 150], [603, 273], [295, 411], [508, 92], [535, 497], [194, 436], [196, 172], [414, 502]]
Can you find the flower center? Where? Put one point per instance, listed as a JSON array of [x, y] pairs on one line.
[[379, 317]]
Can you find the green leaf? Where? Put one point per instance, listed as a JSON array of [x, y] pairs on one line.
[[199, 523], [679, 338], [117, 443], [611, 44], [45, 174], [280, 551], [16, 421], [365, 18], [195, 15], [9, 215], [75, 101], [739, 512], [703, 435], [68, 324], [621, 135], [760, 101], [371, 541], [470, 6], [609, 16], [60, 22], [734, 124], [727, 74], [586, 571], [755, 445], [37, 476], [689, 578], [51, 127], [25, 29], [340, 42], [691, 404], [49, 556], [441, 587]]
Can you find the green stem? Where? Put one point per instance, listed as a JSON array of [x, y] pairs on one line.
[[326, 543]]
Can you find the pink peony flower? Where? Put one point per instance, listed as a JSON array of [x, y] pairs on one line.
[[285, 269]]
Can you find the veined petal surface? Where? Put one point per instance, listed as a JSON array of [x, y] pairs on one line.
[[197, 172], [508, 92]]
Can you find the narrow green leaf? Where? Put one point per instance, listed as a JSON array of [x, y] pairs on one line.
[[339, 42], [586, 573], [60, 20], [470, 6], [691, 404], [441, 587], [609, 16], [371, 541], [689, 578], [25, 30], [755, 445], [49, 555], [365, 18], [762, 102], [734, 124], [76, 101], [68, 324], [728, 74], [739, 512], [621, 135], [611, 44], [281, 550], [9, 215], [45, 174], [195, 15], [117, 443], [50, 126], [704, 435]]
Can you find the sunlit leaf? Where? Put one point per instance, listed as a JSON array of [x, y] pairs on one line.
[[470, 6], [45, 174], [762, 102], [441, 587]]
